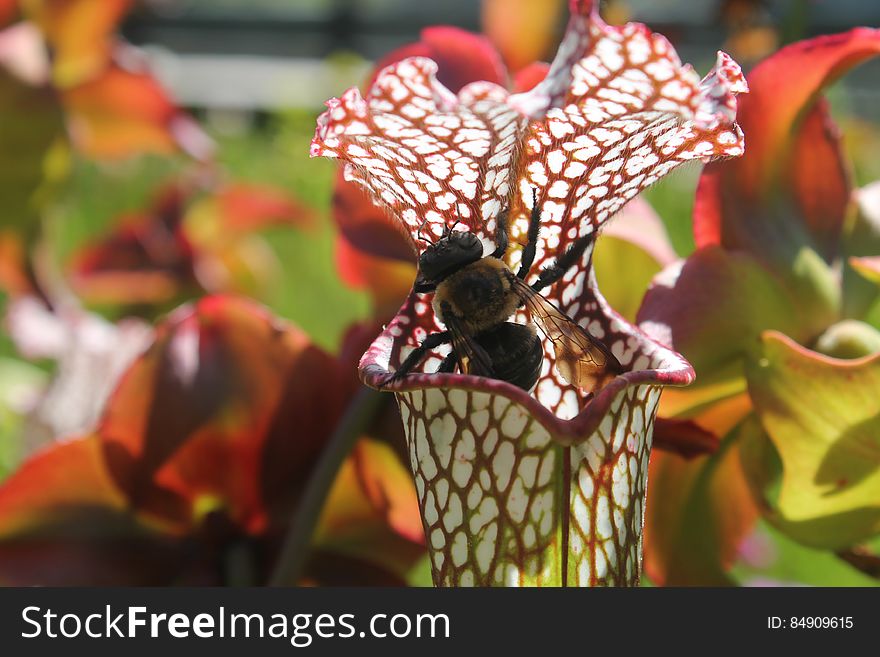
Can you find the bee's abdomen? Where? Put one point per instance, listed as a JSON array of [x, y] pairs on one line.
[[516, 353]]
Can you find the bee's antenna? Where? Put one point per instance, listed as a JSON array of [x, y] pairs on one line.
[[419, 233], [449, 228]]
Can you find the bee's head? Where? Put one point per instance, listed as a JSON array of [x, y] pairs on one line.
[[450, 253]]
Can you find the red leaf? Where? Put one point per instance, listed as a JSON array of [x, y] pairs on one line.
[[8, 11], [527, 78], [147, 259], [227, 411], [793, 156], [462, 56], [250, 206], [819, 178], [683, 437], [63, 522]]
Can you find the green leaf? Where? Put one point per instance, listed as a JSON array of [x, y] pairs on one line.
[[849, 338], [822, 416], [20, 383], [31, 131], [623, 271]]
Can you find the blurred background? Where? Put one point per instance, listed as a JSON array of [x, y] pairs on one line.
[[152, 152]]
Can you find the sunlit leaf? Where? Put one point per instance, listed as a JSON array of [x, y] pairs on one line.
[[59, 478], [848, 338], [791, 189], [822, 416], [63, 522]]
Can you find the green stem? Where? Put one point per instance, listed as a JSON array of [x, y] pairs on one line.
[[297, 543]]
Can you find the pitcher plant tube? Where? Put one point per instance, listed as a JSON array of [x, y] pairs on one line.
[[543, 487]]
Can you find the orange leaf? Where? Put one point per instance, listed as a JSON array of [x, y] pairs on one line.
[[120, 113], [14, 278], [462, 57], [80, 32], [372, 494], [700, 511], [63, 477], [523, 30], [125, 111]]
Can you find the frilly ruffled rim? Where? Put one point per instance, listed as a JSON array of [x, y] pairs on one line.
[[373, 372]]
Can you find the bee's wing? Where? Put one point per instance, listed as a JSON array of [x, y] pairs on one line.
[[581, 359], [472, 358]]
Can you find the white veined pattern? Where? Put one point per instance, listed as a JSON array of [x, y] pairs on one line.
[[632, 113], [545, 489], [503, 503]]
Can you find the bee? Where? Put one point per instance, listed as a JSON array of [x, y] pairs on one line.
[[476, 295]]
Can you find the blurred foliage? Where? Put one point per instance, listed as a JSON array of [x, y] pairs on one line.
[[307, 289], [95, 139]]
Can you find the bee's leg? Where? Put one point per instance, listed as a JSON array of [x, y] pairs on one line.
[[528, 254], [432, 341], [501, 236], [448, 364], [553, 272]]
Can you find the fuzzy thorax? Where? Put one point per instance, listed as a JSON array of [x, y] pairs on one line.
[[480, 295]]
